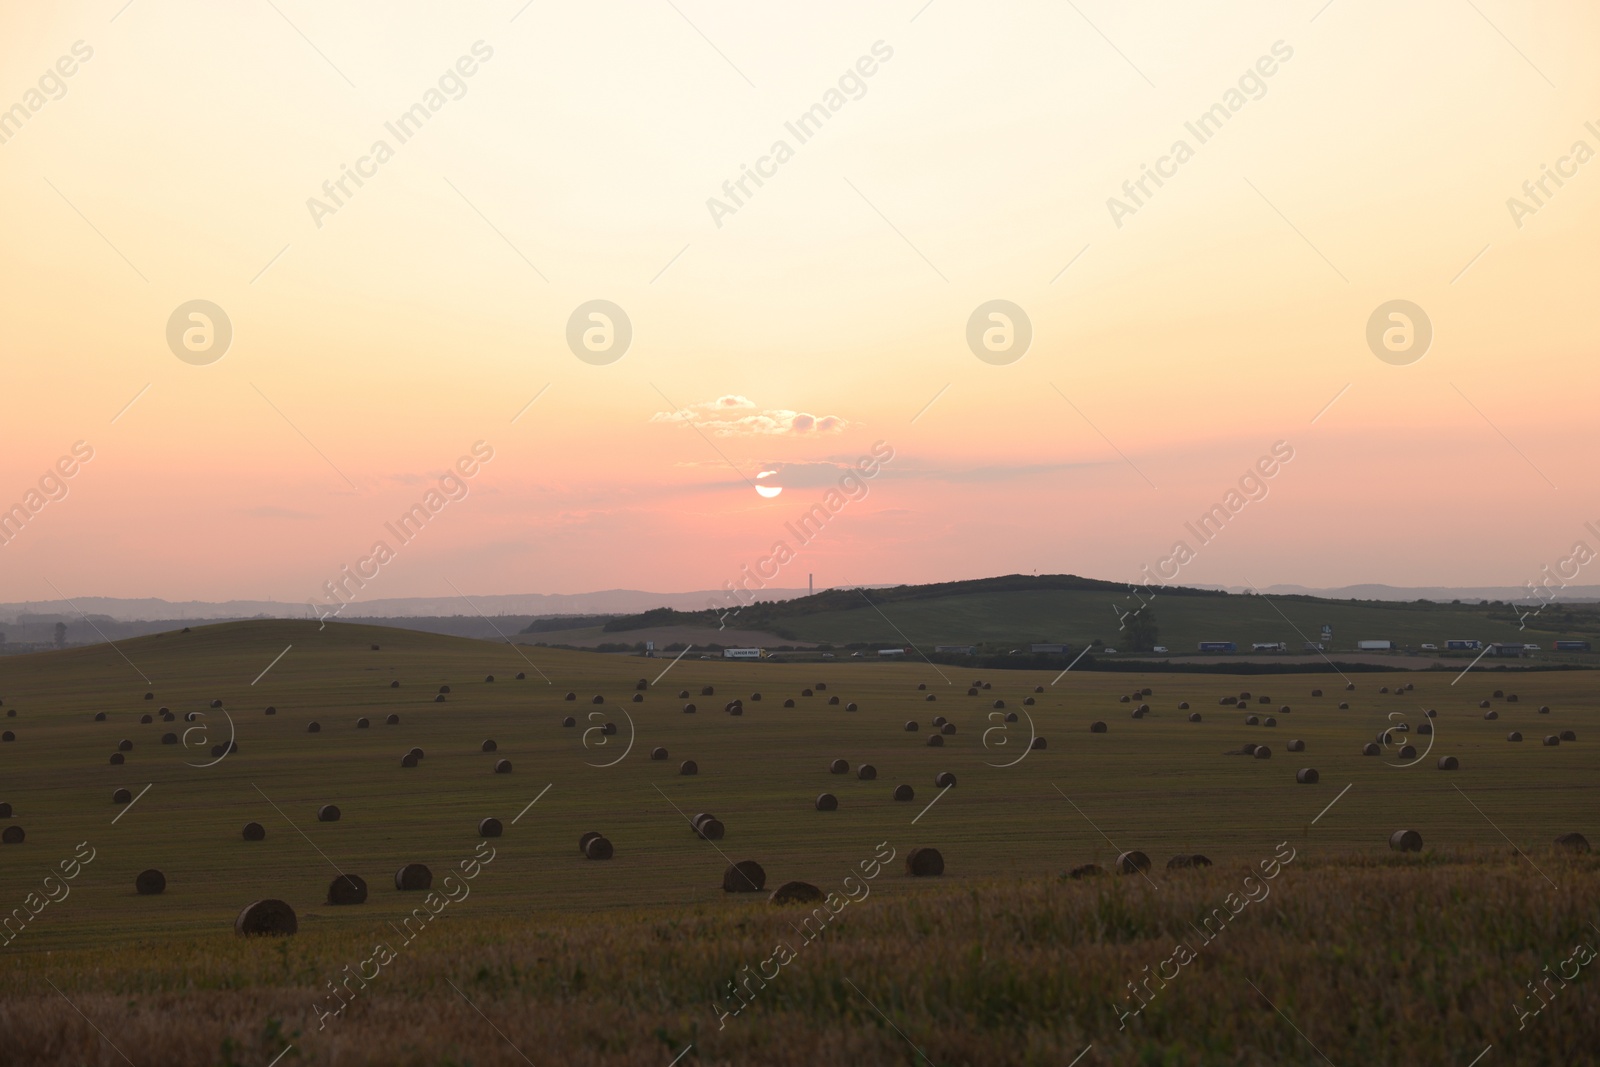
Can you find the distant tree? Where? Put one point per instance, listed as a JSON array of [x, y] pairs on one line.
[[1142, 631], [61, 635]]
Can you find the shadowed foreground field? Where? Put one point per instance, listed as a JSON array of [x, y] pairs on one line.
[[1347, 952]]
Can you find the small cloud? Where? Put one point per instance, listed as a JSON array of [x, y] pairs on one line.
[[718, 416]]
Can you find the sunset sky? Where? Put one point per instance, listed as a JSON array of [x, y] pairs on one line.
[[377, 337]]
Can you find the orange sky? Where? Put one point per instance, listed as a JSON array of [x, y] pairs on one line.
[[376, 339]]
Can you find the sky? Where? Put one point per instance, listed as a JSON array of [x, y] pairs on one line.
[[433, 315]]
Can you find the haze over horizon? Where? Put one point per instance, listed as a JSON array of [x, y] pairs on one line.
[[390, 333]]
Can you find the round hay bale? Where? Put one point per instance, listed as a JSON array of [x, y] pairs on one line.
[[805, 692], [1027, 702], [569, 721], [689, 709], [736, 709], [598, 848], [1245, 695], [1544, 709], [683, 694], [439, 699], [986, 685], [795, 893], [1097, 727], [167, 716], [1184, 861], [1407, 752], [116, 759], [1552, 740], [608, 728], [347, 889], [1350, 688], [570, 696], [1038, 743], [408, 760], [710, 829], [1038, 689], [313, 727], [658, 753], [1574, 842], [935, 741], [254, 831], [1011, 716], [911, 726], [1137, 714], [1269, 721], [696, 821], [392, 720], [329, 813], [746, 876], [999, 704], [1369, 749], [924, 863], [939, 720], [149, 883], [99, 716], [216, 703], [755, 696], [851, 706], [922, 685], [866, 772], [147, 696], [1124, 699], [12, 835], [1297, 746], [1498, 693], [688, 766], [395, 684], [948, 729], [1569, 735], [145, 720], [124, 745], [1248, 749], [638, 698], [904, 792], [821, 686], [1483, 703], [443, 689], [1194, 716], [1132, 862], [944, 779], [363, 723], [502, 766], [1263, 699], [1183, 705], [121, 796], [1405, 841], [1449, 763], [1491, 715], [641, 685], [489, 678], [5, 810], [1343, 706], [490, 827], [1383, 689], [788, 703], [522, 676], [1284, 710], [266, 918], [1147, 692], [1431, 713], [1316, 692], [832, 701], [1307, 776], [590, 835], [930, 696], [707, 691], [417, 752], [1513, 736], [1228, 702], [1511, 698], [1262, 752], [1252, 720], [1088, 870], [839, 766], [489, 746], [827, 802]]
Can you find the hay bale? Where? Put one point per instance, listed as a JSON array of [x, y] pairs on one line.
[[1483, 703], [1369, 749], [1316, 692], [608, 728], [1184, 861], [145, 720], [1297, 746], [363, 723], [1552, 740], [1097, 727], [641, 685], [1011, 716], [1027, 702], [1038, 689], [147, 696], [736, 709], [658, 753], [1229, 702], [1544, 709], [1498, 693], [329, 813], [1284, 710], [1574, 842], [1407, 752], [1383, 689], [392, 720], [1350, 688], [948, 729], [417, 752], [795, 893], [266, 918], [12, 835], [832, 701], [122, 796], [821, 686], [694, 823], [904, 792], [851, 706], [1343, 706], [1424, 728], [688, 766], [788, 703], [1269, 721], [439, 699], [746, 876], [1449, 763], [522, 676], [216, 703], [922, 685], [827, 802], [939, 720], [116, 759], [347, 889], [707, 691], [149, 883], [5, 810], [935, 741], [1248, 749], [1307, 776], [313, 727], [598, 848], [1183, 705], [866, 772], [502, 766], [1194, 716], [1491, 715], [638, 698], [167, 716], [1513, 736], [924, 863], [932, 696], [590, 835], [689, 709], [489, 678], [710, 829], [805, 692], [1263, 699], [1244, 695], [254, 831], [124, 745], [1252, 720], [1405, 841], [490, 827], [999, 704], [1511, 698], [99, 716], [911, 726], [1262, 752], [944, 779], [1132, 862], [1087, 870], [443, 689], [1147, 692], [683, 694], [570, 696], [395, 684], [972, 692], [839, 766], [1137, 714], [1569, 735], [1124, 699], [489, 746], [1037, 744]]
